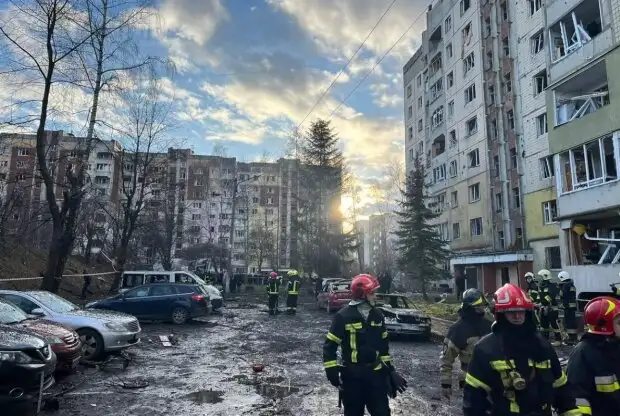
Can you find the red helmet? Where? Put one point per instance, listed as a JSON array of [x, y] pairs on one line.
[[273, 275], [362, 285], [510, 298], [599, 315]]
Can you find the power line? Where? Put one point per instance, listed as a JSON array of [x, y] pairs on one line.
[[345, 65], [376, 64]]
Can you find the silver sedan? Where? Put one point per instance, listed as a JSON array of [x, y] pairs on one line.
[[100, 331]]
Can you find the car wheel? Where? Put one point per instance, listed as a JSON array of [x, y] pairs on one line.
[[92, 344], [179, 316]]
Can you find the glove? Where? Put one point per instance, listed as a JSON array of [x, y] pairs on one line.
[[333, 375], [397, 384], [446, 391]]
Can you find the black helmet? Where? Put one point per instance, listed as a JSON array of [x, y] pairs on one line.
[[473, 297]]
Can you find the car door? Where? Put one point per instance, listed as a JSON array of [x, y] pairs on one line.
[[134, 301], [160, 301]]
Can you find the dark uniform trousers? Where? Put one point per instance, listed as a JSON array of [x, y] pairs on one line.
[[593, 370], [534, 294], [366, 360], [291, 299], [489, 385], [273, 289], [569, 304], [549, 321]]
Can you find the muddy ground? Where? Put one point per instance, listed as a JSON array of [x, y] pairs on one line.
[[207, 370]]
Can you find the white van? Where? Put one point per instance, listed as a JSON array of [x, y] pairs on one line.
[[135, 278]]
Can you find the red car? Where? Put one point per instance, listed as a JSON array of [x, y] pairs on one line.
[[64, 342], [335, 295]]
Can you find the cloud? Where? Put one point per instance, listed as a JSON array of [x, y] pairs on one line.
[[384, 96], [339, 27]]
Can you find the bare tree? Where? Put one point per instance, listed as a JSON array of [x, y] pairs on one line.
[[144, 135], [261, 242]]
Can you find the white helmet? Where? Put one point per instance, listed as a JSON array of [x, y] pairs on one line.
[[563, 276], [529, 274], [545, 274]]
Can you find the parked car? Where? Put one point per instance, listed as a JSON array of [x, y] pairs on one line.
[[24, 358], [133, 279], [100, 331], [335, 295], [168, 302], [64, 342], [402, 317]]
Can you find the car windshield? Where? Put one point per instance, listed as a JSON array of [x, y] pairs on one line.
[[53, 302], [198, 279], [398, 302], [10, 314]]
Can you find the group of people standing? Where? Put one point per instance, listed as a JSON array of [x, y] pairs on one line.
[[508, 367], [292, 292]]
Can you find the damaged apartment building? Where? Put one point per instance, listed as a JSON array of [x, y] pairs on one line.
[[510, 105], [583, 108]]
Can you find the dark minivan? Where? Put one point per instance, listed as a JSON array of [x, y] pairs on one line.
[[159, 302], [24, 359]]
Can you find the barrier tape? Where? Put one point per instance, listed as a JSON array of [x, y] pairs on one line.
[[17, 279]]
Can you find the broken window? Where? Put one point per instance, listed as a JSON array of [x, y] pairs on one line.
[[496, 166], [437, 117], [453, 138], [474, 158], [582, 94], [513, 158], [439, 173], [516, 197], [453, 170], [507, 83], [448, 24], [588, 165], [449, 50], [474, 193], [464, 6], [541, 124], [493, 129], [576, 28], [451, 108], [506, 46], [510, 119], [439, 145], [550, 210], [504, 9], [467, 35], [468, 63], [470, 93], [491, 91], [498, 202], [435, 64], [538, 42], [540, 82], [450, 79], [547, 167], [535, 5], [436, 89], [471, 126], [475, 226]]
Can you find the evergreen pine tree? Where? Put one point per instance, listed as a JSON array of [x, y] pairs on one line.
[[422, 251], [325, 244]]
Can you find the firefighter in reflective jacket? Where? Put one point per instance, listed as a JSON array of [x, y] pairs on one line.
[[533, 291], [549, 299], [514, 370], [292, 292], [366, 376], [462, 336], [273, 290], [594, 366], [568, 296]]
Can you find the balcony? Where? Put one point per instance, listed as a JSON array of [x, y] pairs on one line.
[[587, 176]]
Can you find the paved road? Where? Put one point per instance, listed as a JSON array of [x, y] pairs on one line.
[[209, 371]]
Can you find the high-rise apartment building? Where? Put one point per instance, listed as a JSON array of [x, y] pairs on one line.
[[462, 118], [188, 200], [582, 40]]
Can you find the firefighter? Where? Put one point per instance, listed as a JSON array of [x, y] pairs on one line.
[[366, 376], [273, 290], [533, 291], [594, 366], [462, 336], [549, 294], [293, 292], [514, 370], [568, 295]]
